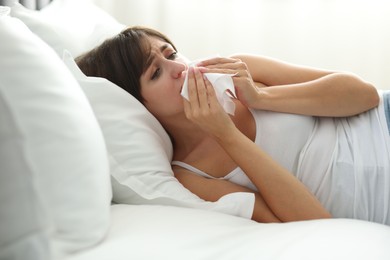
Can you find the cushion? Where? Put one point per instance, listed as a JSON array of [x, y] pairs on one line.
[[140, 151], [75, 25], [54, 180]]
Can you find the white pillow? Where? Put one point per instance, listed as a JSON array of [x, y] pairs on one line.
[[140, 151], [25, 223], [54, 170], [75, 25]]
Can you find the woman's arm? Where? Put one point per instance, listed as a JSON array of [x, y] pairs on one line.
[[214, 189], [295, 89], [286, 197]]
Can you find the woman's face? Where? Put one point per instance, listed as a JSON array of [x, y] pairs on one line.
[[162, 82]]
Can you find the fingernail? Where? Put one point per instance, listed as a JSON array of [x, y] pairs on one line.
[[202, 69]]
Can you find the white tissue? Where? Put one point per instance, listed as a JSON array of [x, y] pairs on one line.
[[222, 83]]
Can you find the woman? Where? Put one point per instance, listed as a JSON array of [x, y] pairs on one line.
[[308, 143]]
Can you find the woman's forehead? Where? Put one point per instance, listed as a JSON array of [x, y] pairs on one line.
[[157, 44]]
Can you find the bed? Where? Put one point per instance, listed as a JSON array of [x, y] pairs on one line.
[[85, 169]]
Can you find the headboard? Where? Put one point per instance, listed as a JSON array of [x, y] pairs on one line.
[[31, 4]]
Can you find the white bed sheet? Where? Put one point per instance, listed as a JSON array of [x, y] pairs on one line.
[[164, 232]]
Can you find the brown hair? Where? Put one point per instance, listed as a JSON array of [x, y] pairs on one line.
[[122, 59]]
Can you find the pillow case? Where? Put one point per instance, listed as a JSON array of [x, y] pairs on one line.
[[54, 169], [75, 25], [140, 151], [21, 237]]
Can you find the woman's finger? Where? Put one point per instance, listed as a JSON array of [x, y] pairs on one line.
[[212, 97], [226, 68], [218, 70], [192, 89], [201, 89]]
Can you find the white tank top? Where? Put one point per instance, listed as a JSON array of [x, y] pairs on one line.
[[345, 162], [291, 133]]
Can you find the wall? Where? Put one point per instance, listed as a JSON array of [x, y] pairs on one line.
[[351, 35]]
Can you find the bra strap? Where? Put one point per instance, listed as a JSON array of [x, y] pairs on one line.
[[191, 169]]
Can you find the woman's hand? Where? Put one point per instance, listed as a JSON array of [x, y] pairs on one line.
[[246, 90], [203, 107], [295, 89]]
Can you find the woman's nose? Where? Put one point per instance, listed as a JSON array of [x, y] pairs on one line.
[[178, 68]]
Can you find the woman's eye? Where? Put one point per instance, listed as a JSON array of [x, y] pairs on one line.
[[156, 74], [172, 56]]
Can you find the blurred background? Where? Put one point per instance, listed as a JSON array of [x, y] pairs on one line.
[[347, 35]]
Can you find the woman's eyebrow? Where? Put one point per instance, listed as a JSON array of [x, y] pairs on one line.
[[163, 47], [152, 56]]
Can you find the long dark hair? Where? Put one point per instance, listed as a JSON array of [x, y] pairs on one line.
[[122, 59]]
